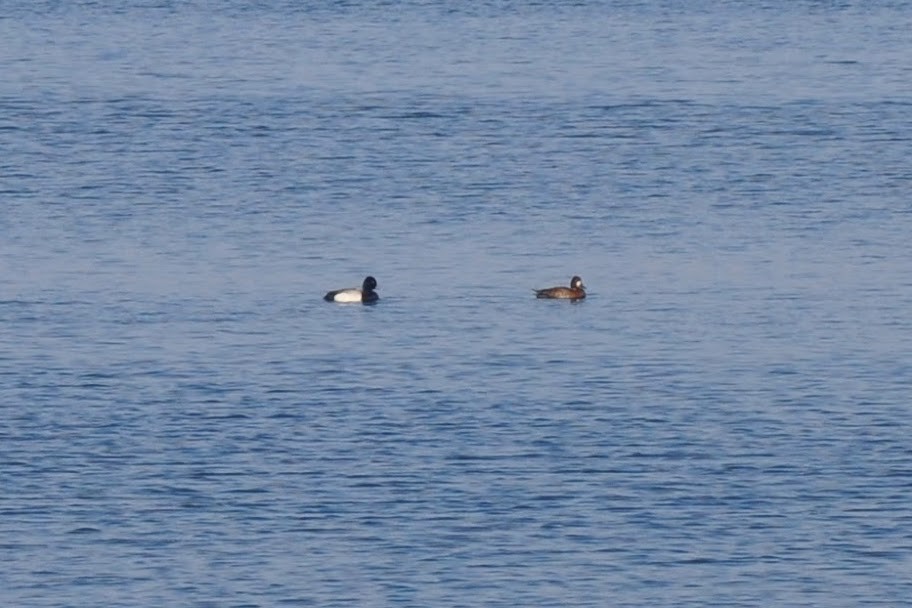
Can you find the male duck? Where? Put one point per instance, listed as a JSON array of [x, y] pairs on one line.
[[365, 295], [576, 291]]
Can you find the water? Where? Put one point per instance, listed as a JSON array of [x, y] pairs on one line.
[[724, 421]]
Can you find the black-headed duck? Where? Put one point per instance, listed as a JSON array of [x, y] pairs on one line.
[[365, 295]]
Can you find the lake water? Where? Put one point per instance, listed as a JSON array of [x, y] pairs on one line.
[[725, 421]]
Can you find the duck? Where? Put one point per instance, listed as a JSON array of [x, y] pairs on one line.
[[365, 295], [576, 291]]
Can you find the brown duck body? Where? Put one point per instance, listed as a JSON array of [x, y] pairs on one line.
[[576, 291]]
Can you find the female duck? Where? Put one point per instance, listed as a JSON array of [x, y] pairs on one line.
[[365, 295], [576, 291]]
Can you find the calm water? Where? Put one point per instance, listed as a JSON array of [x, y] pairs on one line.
[[725, 420]]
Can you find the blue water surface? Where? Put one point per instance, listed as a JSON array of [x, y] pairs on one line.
[[724, 421]]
